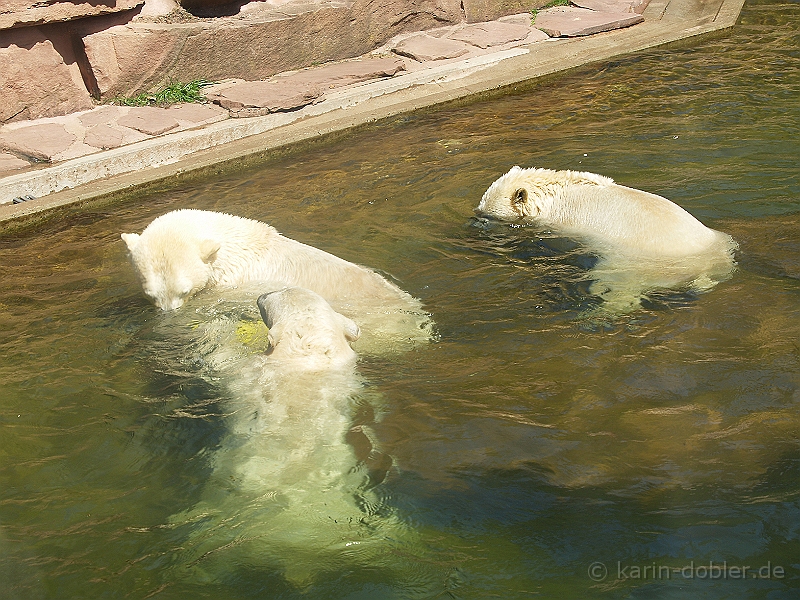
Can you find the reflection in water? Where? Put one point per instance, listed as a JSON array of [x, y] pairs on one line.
[[526, 443]]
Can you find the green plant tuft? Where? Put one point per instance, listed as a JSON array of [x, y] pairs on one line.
[[173, 93]]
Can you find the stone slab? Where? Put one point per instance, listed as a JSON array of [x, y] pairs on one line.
[[40, 142], [620, 6], [192, 115], [102, 114], [349, 72], [570, 21], [25, 13], [492, 33], [264, 97], [425, 48], [103, 137], [148, 120], [206, 6], [9, 162], [525, 19]]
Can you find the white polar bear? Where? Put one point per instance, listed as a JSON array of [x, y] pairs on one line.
[[305, 331], [286, 488], [645, 241], [185, 251]]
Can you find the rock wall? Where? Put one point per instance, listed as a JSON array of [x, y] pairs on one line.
[[60, 56]]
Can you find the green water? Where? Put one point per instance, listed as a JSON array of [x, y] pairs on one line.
[[527, 444]]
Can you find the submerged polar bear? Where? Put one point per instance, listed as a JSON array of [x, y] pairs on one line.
[[287, 490], [644, 241], [185, 251]]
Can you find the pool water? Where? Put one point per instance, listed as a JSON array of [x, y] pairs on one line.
[[524, 451]]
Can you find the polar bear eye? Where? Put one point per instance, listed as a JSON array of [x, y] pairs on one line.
[[520, 197]]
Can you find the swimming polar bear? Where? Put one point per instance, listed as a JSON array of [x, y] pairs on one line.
[[304, 329], [645, 241], [287, 490], [185, 251]]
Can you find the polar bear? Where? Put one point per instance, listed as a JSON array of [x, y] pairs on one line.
[[287, 489], [593, 206], [644, 241], [305, 331], [185, 251]]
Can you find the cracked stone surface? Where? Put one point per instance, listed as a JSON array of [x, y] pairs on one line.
[[102, 114], [148, 120], [196, 114], [492, 33], [425, 47], [9, 162], [620, 6], [40, 142], [570, 21], [264, 97], [349, 72], [103, 137]]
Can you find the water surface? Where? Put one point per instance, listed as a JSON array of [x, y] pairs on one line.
[[533, 452]]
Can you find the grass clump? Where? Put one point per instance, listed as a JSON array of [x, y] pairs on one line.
[[535, 11], [175, 92]]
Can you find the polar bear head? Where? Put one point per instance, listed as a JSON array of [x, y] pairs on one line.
[[527, 196], [172, 265], [304, 329]]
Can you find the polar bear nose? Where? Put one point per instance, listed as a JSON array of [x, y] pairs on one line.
[[171, 304]]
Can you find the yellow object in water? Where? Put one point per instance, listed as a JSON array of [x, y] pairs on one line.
[[253, 334]]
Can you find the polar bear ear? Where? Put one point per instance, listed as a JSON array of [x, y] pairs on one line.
[[131, 240], [351, 331], [208, 250]]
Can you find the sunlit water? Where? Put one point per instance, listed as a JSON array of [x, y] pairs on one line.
[[509, 456]]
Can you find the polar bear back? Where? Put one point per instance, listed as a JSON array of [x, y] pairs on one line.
[[617, 218], [186, 250], [631, 219]]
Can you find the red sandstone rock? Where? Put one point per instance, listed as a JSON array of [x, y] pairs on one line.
[[40, 142], [196, 114], [9, 162], [477, 11], [143, 56], [492, 33], [346, 73], [253, 98], [102, 114], [425, 47], [620, 6], [149, 120], [157, 8], [103, 137], [38, 76], [569, 21], [24, 13], [205, 5]]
